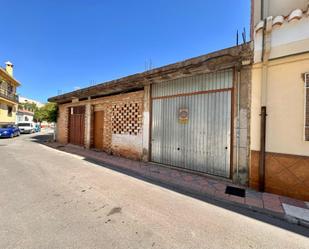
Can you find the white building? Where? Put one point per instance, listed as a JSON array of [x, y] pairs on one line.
[[24, 115], [27, 100], [280, 97]]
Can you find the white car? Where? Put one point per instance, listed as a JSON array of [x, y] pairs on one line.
[[26, 127]]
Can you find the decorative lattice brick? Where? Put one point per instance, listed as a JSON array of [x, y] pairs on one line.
[[126, 118]]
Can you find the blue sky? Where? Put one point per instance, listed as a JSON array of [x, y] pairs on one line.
[[63, 44]]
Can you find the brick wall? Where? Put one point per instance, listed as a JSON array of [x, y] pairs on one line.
[[123, 120], [122, 124], [62, 124]]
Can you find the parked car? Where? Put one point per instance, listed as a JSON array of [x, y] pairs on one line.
[[26, 127], [9, 130], [37, 128]]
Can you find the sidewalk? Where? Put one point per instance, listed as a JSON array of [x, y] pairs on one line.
[[292, 210]]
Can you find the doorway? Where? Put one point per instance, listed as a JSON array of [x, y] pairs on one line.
[[77, 125]]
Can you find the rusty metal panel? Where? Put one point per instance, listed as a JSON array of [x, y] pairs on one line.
[[202, 141], [203, 82]]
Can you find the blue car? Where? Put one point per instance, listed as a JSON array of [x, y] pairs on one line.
[[9, 130]]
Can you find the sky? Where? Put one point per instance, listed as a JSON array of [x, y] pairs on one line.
[[58, 46]]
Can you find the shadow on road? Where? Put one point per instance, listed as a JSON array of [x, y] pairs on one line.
[[42, 138], [46, 140]]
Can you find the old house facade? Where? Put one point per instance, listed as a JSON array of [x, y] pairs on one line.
[[8, 96], [193, 115], [280, 100]]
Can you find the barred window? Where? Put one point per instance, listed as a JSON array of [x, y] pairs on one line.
[[307, 106]]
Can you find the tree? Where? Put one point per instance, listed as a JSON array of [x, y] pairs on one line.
[[28, 106], [39, 115], [48, 112], [52, 112]]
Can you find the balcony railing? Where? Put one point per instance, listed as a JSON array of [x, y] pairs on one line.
[[8, 95]]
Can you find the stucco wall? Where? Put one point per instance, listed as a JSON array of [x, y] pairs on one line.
[[277, 7], [287, 157], [285, 106], [4, 118], [21, 117], [286, 39]]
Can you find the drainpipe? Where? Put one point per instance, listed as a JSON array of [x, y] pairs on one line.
[[262, 10], [262, 150], [266, 48]]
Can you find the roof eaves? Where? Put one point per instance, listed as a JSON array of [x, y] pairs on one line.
[[148, 77], [10, 77]]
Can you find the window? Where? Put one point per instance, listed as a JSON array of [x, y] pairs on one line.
[[10, 88], [10, 111], [307, 107], [23, 124]]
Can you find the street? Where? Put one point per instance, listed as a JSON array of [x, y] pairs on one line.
[[51, 199]]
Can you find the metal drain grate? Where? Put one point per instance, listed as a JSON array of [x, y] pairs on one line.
[[235, 191]]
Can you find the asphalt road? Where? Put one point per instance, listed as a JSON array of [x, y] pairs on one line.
[[51, 199]]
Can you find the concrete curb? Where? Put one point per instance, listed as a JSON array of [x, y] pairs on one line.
[[297, 221]]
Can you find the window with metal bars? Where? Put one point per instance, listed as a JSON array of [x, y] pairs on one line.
[[307, 107]]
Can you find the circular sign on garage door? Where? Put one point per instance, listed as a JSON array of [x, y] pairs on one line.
[[183, 115]]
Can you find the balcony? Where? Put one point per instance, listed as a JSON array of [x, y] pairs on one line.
[[4, 93]]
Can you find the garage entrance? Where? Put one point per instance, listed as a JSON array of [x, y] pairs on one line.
[[191, 123], [77, 125]]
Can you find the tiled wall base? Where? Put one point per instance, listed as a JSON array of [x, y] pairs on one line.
[[284, 174]]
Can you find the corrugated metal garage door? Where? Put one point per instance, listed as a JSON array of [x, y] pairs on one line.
[[191, 123], [77, 125]]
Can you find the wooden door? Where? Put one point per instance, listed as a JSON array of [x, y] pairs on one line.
[[98, 130], [77, 125]]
